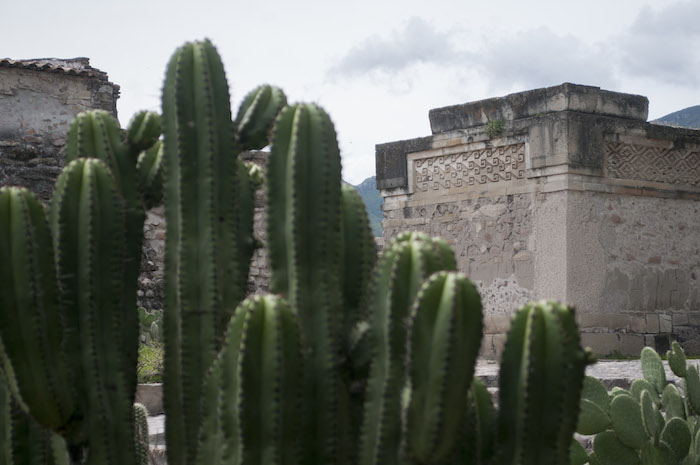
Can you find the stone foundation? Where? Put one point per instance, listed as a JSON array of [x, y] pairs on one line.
[[576, 198]]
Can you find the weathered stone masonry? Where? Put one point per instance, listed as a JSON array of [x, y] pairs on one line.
[[578, 199], [38, 100]]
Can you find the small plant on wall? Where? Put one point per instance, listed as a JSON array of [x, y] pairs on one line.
[[495, 128]]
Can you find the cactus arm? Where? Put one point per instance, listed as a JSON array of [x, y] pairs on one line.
[[270, 390], [149, 169], [172, 326], [511, 400], [359, 256], [405, 263], [445, 335], [143, 131], [211, 441], [540, 381], [201, 189], [89, 239], [304, 236], [96, 134], [257, 114], [230, 385], [141, 433], [30, 322]]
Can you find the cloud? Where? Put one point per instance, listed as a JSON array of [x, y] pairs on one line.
[[663, 45], [539, 57], [418, 42]]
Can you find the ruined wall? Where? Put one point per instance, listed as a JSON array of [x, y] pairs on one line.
[[577, 198], [38, 100]]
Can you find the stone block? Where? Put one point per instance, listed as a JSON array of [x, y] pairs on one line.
[[652, 323], [601, 343], [679, 319], [631, 344], [151, 396], [494, 324], [665, 323], [611, 321], [486, 351], [637, 324], [539, 102]]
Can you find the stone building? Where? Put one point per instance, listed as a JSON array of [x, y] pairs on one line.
[[38, 100], [565, 193]]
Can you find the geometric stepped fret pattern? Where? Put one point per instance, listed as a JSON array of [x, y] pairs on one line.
[[672, 166], [472, 167]]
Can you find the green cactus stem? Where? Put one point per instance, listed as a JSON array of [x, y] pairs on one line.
[[89, 231], [96, 134], [141, 433], [405, 263], [304, 246], [359, 257], [143, 131], [149, 169], [33, 364], [257, 114], [205, 277], [444, 339], [477, 435], [541, 378]]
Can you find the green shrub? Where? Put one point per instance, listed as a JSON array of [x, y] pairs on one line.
[[150, 363]]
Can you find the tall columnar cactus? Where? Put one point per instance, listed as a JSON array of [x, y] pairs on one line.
[[540, 383], [89, 231], [406, 262], [304, 244], [208, 200], [96, 134], [650, 423], [62, 326], [260, 373], [257, 114], [444, 338]]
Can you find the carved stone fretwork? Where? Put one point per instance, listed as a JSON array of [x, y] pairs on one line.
[[487, 165], [672, 166]]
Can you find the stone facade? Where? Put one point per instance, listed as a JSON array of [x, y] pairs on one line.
[[38, 100], [566, 193]]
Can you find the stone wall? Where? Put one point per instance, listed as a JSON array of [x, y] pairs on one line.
[[577, 198], [38, 100]]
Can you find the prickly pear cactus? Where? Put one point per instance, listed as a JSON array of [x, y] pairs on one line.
[[649, 424]]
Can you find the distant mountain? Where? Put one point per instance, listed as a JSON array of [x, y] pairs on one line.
[[373, 203], [686, 118]]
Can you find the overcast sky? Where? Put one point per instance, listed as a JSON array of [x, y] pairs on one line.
[[376, 66]]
